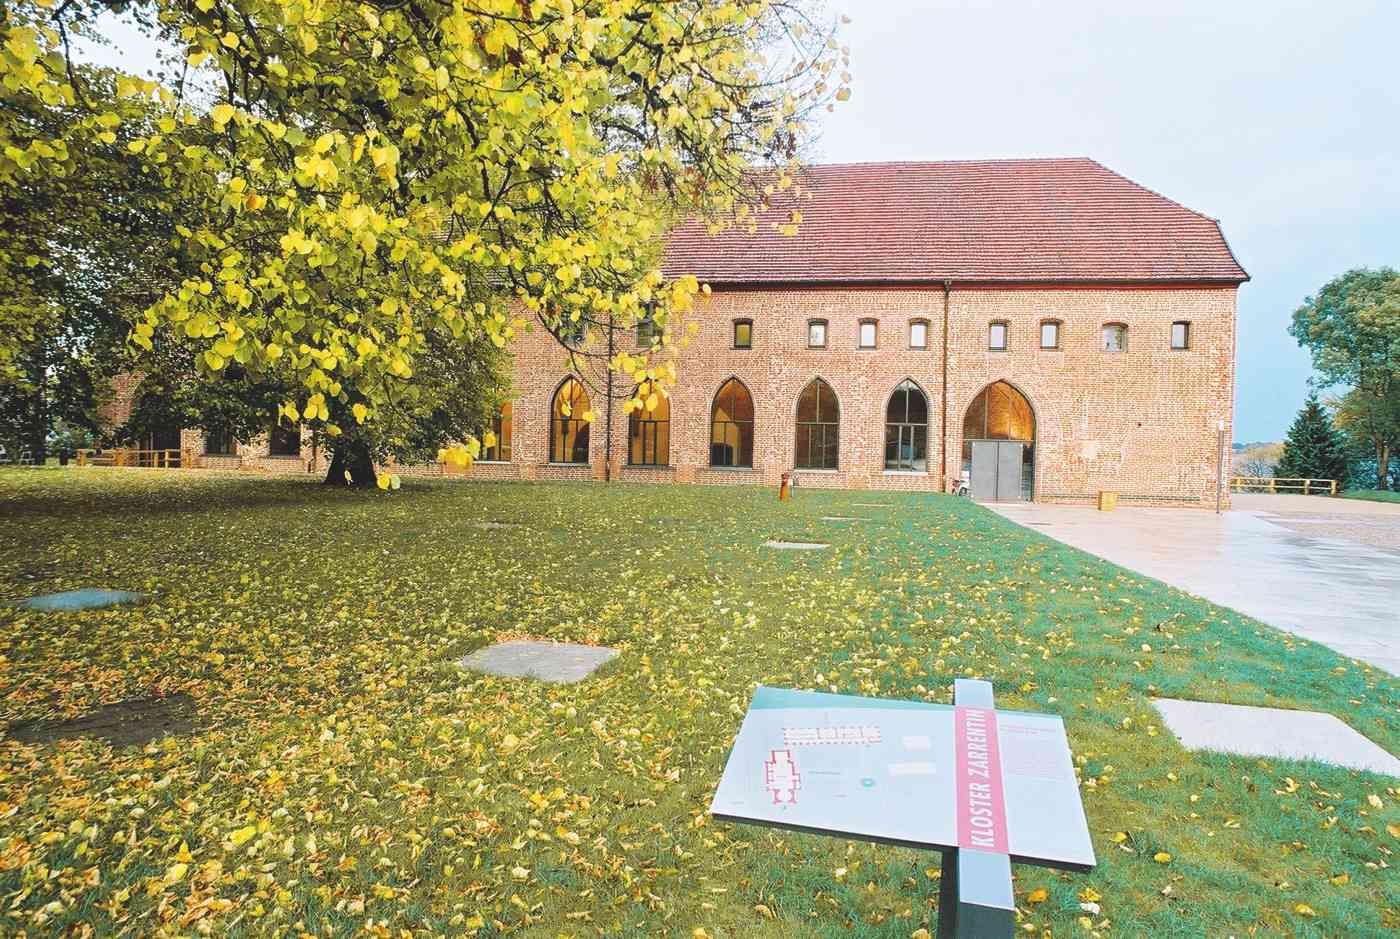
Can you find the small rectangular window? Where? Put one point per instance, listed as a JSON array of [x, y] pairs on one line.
[[220, 443], [918, 334], [648, 332], [867, 334], [284, 441], [1181, 335], [1115, 338], [996, 337], [1050, 335], [743, 334], [816, 334]]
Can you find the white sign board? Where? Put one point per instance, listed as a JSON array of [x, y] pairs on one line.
[[910, 773]]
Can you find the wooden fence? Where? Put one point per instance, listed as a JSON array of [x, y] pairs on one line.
[[128, 456], [1274, 484]]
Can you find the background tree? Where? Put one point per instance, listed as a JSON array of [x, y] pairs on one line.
[[1352, 329], [1258, 460], [1372, 425], [1313, 448], [84, 249], [376, 182]]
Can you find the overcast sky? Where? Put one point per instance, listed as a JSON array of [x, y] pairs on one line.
[[1281, 118]]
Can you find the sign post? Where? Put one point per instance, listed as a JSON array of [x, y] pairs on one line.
[[983, 787]]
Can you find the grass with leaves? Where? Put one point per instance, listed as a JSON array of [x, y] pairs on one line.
[[344, 776]]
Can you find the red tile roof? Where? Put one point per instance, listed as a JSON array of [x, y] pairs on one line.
[[1056, 220]]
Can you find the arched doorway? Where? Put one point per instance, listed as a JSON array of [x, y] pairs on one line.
[[998, 450]]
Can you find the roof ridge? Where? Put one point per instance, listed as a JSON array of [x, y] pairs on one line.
[[973, 162]]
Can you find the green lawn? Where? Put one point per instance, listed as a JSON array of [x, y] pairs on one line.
[[343, 770], [1372, 495]]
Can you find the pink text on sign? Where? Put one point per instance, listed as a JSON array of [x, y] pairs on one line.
[[981, 807]]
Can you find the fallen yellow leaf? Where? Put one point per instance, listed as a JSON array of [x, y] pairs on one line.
[[1303, 909], [1038, 895], [1161, 857]]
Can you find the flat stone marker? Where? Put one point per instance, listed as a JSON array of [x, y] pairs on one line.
[[795, 545], [843, 518], [549, 661], [871, 505], [1273, 732], [88, 598]]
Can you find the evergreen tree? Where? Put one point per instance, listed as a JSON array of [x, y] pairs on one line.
[[1314, 449]]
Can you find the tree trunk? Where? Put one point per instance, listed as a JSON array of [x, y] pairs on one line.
[[335, 474], [37, 432], [1382, 466], [361, 465], [353, 458]]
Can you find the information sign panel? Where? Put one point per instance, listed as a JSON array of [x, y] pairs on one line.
[[910, 773]]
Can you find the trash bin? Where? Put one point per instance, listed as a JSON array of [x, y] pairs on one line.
[[1108, 501]]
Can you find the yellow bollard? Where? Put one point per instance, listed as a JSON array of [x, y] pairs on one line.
[[785, 488]]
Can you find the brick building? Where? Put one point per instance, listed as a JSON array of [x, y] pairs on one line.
[[1046, 326], [1043, 328]]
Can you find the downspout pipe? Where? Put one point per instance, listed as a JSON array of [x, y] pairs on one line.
[[943, 395]]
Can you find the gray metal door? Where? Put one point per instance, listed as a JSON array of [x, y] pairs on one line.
[[996, 470], [984, 470], [1009, 471]]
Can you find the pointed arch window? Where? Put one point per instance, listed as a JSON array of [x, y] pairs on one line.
[[731, 426], [649, 433], [818, 427], [568, 431], [501, 427], [906, 429]]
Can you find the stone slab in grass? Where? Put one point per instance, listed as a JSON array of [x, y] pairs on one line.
[[549, 661], [842, 518], [1273, 732], [871, 505], [88, 598], [795, 545]]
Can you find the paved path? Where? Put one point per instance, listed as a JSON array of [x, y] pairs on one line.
[[1340, 589]]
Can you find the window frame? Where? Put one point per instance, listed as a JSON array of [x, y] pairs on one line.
[[504, 441], [817, 428], [1059, 335], [874, 325], [636, 422], [1122, 329], [905, 429], [573, 333], [1005, 336], [272, 436], [572, 418], [918, 321], [648, 332], [1185, 336], [229, 440], [826, 333], [738, 425], [734, 333]]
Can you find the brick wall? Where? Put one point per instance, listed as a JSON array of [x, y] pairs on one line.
[[1141, 422]]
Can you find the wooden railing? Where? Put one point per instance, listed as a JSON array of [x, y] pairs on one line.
[[1277, 484], [129, 456]]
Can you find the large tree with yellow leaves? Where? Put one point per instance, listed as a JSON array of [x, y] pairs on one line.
[[380, 183]]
